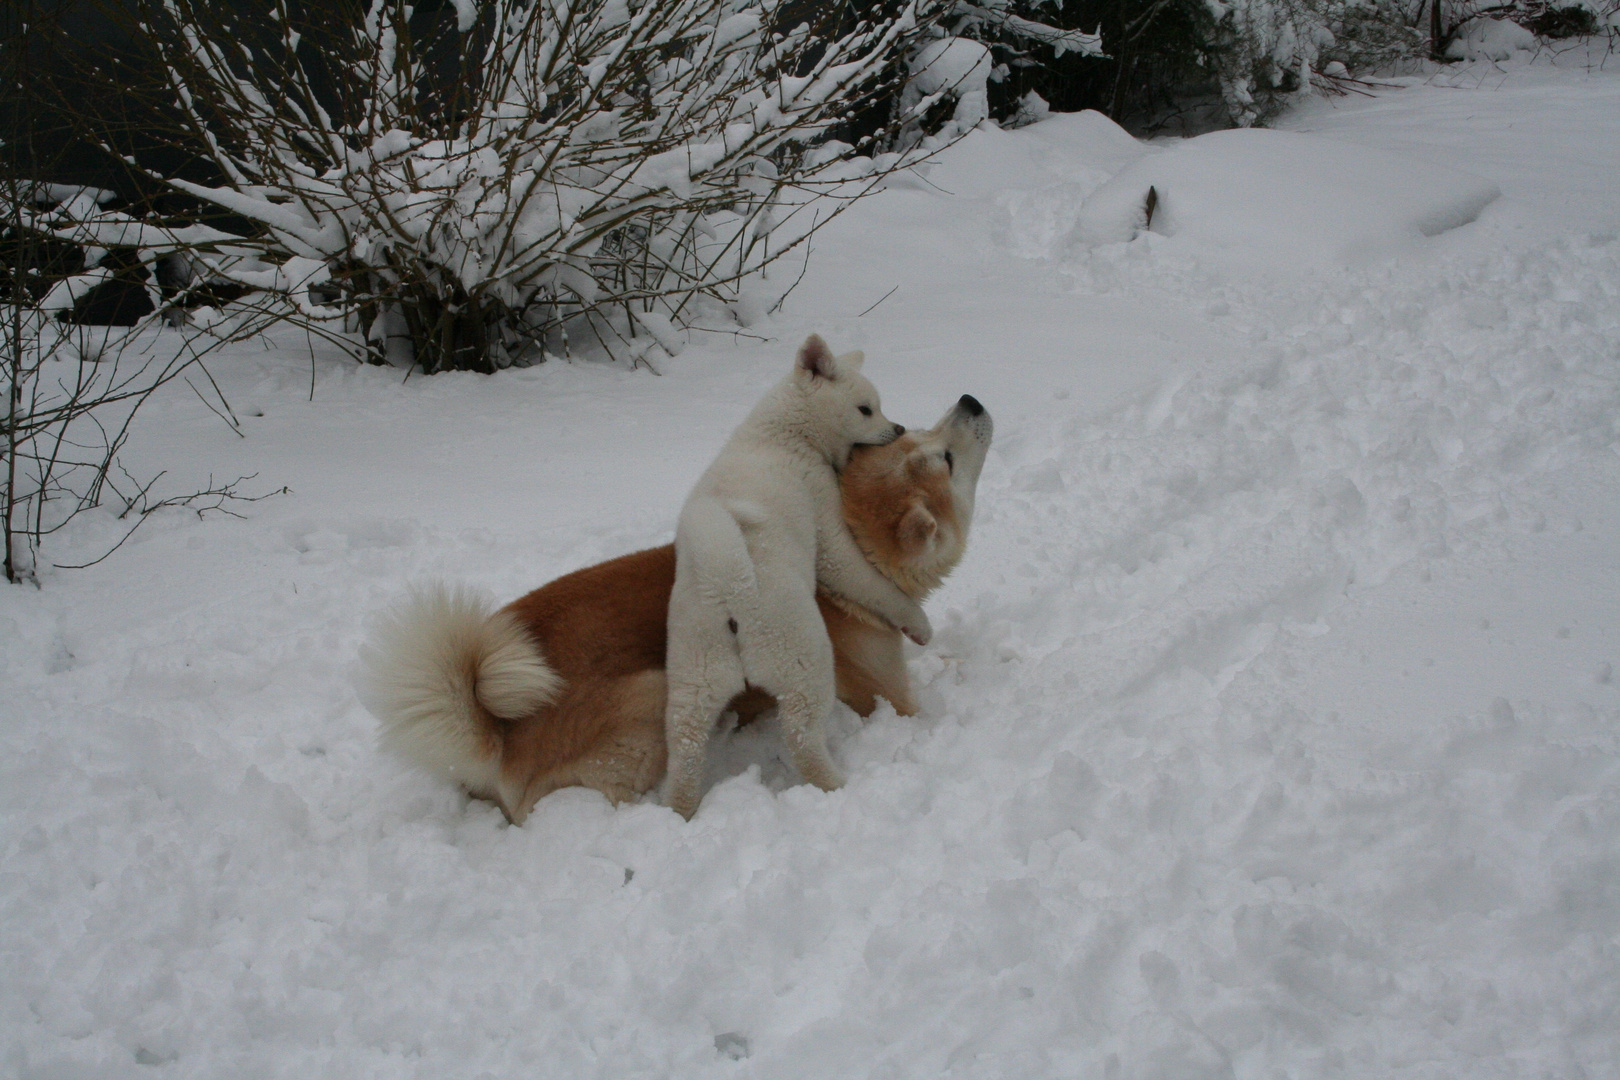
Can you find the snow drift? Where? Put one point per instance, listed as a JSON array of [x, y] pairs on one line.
[[1284, 198]]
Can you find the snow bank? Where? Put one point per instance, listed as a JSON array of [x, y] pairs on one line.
[[1059, 160], [1284, 198]]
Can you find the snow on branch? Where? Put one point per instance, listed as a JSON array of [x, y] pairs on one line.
[[997, 17]]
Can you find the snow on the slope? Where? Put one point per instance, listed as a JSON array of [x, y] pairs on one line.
[[1284, 198], [1271, 727], [1544, 133]]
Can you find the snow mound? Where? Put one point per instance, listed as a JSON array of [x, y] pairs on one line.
[[1086, 138], [1491, 39], [1066, 157], [1284, 198]]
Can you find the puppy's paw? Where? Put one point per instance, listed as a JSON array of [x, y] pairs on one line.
[[823, 774], [921, 628]]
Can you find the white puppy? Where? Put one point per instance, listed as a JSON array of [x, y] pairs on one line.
[[761, 526]]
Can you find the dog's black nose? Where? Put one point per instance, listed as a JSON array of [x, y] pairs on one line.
[[971, 405], [899, 430]]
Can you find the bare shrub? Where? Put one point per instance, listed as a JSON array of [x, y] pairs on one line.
[[72, 391]]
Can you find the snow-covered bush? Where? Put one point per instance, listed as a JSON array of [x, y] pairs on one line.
[[83, 260], [1482, 30], [475, 183], [1014, 28], [1262, 50], [979, 44], [956, 68], [1555, 20], [1138, 60]]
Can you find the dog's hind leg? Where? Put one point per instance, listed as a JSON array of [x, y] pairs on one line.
[[714, 586], [695, 704], [630, 756], [705, 672], [625, 755], [790, 657]]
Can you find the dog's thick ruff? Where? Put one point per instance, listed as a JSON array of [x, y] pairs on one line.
[[761, 526]]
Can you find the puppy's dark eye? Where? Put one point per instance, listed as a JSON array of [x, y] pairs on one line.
[[950, 462], [866, 410]]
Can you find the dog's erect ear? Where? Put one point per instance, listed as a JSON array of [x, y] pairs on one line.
[[917, 527], [816, 360], [851, 361]]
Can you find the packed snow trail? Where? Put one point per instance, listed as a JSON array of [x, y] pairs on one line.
[[1270, 728]]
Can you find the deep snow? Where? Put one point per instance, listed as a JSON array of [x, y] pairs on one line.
[[1270, 728]]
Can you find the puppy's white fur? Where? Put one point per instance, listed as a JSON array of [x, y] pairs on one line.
[[763, 524]]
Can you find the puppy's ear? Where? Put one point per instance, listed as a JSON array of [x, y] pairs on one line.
[[815, 360], [917, 528], [852, 361]]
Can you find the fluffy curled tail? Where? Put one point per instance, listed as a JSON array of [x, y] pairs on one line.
[[440, 670]]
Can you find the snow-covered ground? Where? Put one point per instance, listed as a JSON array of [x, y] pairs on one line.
[[1271, 728]]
